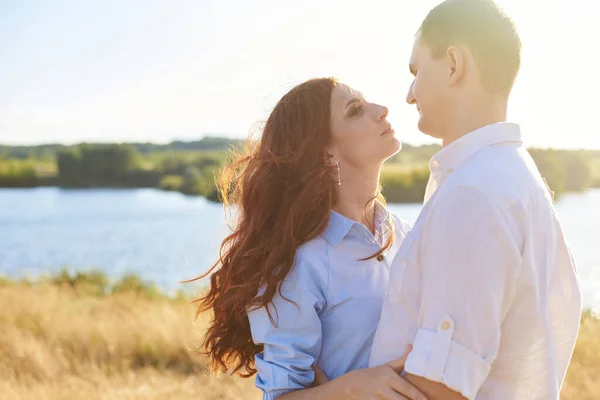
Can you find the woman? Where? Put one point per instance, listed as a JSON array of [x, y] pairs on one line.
[[301, 280]]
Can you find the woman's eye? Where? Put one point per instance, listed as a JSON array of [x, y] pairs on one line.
[[356, 110]]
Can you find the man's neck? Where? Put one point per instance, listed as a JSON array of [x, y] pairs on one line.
[[481, 112]]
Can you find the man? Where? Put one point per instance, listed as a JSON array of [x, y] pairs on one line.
[[484, 287]]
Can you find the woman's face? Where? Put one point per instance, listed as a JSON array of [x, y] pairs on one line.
[[362, 136]]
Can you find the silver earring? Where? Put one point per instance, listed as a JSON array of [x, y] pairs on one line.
[[339, 173]]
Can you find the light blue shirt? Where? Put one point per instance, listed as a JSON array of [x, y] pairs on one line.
[[338, 301]]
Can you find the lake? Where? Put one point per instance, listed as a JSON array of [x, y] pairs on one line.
[[166, 237]]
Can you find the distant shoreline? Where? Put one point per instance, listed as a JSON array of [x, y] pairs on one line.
[[191, 167]]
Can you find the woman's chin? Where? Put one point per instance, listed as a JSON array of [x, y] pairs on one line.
[[392, 147], [396, 145]]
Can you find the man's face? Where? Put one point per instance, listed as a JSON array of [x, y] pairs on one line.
[[430, 89]]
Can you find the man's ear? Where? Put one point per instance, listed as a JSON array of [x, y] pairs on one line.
[[456, 64]]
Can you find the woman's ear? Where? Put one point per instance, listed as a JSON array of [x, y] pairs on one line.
[[329, 158]]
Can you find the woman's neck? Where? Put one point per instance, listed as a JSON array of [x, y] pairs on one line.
[[356, 195]]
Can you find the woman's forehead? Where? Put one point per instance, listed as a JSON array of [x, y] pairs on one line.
[[343, 93]]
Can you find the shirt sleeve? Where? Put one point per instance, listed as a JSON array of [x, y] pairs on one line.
[[470, 259], [293, 343]]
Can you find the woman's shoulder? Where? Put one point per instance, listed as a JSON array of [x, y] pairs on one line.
[[310, 263], [312, 253]]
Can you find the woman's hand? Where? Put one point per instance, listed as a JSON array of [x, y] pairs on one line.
[[549, 189], [378, 383]]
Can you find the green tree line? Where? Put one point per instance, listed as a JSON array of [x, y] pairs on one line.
[[190, 167]]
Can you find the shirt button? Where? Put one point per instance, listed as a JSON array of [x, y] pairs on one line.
[[380, 258], [445, 325], [450, 170]]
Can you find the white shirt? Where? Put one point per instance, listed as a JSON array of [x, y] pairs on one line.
[[484, 287]]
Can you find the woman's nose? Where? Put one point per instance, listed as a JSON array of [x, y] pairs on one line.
[[383, 112]]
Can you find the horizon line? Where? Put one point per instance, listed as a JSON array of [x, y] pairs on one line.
[[228, 137]]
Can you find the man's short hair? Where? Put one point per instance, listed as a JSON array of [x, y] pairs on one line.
[[484, 28]]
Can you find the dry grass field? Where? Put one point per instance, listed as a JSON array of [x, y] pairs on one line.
[[70, 340]]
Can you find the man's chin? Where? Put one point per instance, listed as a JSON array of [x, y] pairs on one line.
[[427, 129]]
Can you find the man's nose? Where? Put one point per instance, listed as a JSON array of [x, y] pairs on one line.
[[410, 98]]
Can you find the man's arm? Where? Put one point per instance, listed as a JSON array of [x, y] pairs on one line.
[[470, 258]]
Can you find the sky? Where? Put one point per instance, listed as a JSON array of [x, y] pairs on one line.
[[150, 70]]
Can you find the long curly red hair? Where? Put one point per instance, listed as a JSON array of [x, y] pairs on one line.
[[282, 189]]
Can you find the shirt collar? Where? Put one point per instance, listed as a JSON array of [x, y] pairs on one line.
[[463, 148], [339, 225]]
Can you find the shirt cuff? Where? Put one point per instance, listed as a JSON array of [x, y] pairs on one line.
[[273, 394], [436, 357]]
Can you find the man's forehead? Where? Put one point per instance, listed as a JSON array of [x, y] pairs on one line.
[[416, 49]]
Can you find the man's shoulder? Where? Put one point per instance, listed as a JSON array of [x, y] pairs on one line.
[[401, 226], [505, 173]]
